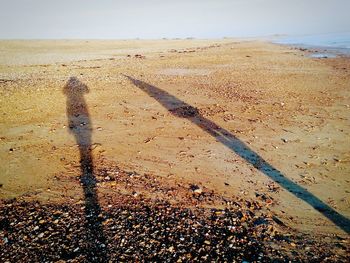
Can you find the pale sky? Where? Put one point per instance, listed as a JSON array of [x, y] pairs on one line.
[[121, 19]]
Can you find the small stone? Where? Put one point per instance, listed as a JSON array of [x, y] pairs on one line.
[[278, 221], [198, 191]]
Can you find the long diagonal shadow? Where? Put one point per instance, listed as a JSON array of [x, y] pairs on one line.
[[181, 109], [80, 126]]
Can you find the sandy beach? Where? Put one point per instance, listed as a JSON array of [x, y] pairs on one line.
[[196, 124]]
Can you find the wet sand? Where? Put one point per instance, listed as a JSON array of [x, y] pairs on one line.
[[241, 120]]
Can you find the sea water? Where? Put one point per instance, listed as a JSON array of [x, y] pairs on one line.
[[333, 43]]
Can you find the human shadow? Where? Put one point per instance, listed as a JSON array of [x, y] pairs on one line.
[[181, 109], [80, 126]]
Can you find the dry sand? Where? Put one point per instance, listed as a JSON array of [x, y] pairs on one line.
[[292, 111]]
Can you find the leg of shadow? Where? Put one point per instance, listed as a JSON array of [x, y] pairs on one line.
[[80, 126], [184, 110]]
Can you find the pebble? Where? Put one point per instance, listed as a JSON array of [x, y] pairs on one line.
[[137, 230]]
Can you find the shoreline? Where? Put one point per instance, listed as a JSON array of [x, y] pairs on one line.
[[327, 51]]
